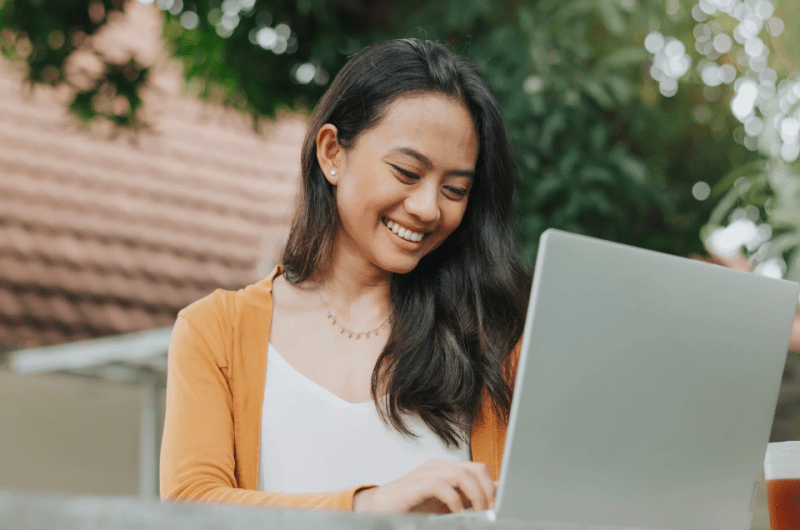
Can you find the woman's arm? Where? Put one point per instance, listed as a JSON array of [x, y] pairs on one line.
[[197, 450]]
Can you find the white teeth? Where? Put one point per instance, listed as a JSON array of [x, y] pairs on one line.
[[405, 233], [411, 236]]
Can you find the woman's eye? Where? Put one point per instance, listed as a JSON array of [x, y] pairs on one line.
[[406, 174], [458, 192]]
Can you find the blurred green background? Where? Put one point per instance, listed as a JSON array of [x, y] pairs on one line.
[[651, 123]]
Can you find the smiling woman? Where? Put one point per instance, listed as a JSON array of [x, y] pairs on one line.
[[410, 173], [372, 370]]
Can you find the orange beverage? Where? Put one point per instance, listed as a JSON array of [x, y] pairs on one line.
[[783, 498], [782, 472]]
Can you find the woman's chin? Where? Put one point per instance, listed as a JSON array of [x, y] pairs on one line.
[[401, 266], [401, 270]]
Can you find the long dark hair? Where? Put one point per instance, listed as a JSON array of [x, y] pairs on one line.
[[458, 315]]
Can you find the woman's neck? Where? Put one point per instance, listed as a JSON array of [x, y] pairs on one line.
[[354, 292]]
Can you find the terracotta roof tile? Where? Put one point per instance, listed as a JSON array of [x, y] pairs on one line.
[[17, 240], [102, 235], [21, 335], [10, 305], [105, 226], [50, 308], [253, 203], [8, 336]]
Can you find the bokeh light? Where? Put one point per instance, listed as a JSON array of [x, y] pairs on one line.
[[670, 61], [701, 190], [737, 56]]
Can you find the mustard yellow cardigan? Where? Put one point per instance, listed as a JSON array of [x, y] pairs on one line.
[[215, 387]]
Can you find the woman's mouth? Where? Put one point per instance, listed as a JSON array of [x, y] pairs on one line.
[[405, 233]]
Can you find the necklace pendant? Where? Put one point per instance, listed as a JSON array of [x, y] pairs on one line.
[[342, 330]]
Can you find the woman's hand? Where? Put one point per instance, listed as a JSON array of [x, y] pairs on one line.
[[437, 486]]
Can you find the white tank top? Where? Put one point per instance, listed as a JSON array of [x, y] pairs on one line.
[[313, 441]]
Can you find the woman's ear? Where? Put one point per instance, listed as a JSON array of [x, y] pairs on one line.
[[330, 154]]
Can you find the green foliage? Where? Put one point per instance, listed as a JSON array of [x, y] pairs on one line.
[[599, 150], [765, 190], [229, 66], [772, 187], [565, 102], [46, 34]]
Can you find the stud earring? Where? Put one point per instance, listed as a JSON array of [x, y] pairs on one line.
[[333, 172]]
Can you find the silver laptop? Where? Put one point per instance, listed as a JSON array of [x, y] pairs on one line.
[[645, 391]]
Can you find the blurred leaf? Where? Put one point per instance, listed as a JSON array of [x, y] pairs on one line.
[[576, 9], [627, 57], [722, 210], [784, 243], [620, 88], [612, 17], [785, 184], [745, 171], [784, 218], [597, 92], [793, 263]]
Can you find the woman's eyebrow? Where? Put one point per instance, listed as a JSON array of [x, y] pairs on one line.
[[425, 161]]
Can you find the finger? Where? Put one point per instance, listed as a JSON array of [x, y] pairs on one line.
[[488, 484], [470, 485], [449, 496]]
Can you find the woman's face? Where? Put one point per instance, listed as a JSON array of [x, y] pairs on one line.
[[403, 187]]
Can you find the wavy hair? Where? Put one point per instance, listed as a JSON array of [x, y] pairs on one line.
[[459, 314]]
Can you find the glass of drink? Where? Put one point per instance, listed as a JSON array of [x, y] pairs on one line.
[[782, 472]]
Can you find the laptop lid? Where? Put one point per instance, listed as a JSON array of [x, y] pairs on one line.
[[646, 389]]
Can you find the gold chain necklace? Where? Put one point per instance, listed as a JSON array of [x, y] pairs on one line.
[[354, 334]]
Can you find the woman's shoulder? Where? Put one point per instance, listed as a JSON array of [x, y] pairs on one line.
[[228, 305]]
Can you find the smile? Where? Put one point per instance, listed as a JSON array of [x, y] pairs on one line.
[[405, 233]]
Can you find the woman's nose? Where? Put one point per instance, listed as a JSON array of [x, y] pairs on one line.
[[423, 203]]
